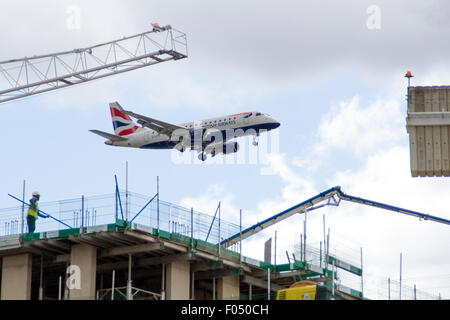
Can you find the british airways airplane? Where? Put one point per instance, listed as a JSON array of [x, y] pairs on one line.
[[207, 136]]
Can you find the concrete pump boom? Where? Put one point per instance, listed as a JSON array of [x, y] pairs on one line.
[[314, 203]]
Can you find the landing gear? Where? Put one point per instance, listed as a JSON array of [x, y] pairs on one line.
[[180, 147], [255, 140], [202, 156]]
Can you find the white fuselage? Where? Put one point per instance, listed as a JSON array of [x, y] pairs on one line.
[[248, 123]]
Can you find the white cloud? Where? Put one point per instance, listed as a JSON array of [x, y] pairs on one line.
[[287, 42], [436, 76], [360, 129], [179, 85], [208, 201], [294, 186]]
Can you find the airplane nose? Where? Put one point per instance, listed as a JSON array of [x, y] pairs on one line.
[[275, 123]]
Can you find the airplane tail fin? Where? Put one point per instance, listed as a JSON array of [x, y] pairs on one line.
[[122, 123]]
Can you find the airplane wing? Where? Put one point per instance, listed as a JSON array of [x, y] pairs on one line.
[[157, 125], [109, 136]]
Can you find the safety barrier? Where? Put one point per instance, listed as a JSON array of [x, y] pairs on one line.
[[107, 209]]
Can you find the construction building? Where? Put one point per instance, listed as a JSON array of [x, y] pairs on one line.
[[162, 251], [129, 246]]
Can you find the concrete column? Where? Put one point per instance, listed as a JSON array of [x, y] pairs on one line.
[[16, 277], [81, 281], [228, 288], [178, 280]]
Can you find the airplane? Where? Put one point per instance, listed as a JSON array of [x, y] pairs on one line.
[[208, 136]]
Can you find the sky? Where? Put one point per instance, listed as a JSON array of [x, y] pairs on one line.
[[332, 73]]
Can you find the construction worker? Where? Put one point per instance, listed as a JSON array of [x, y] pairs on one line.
[[33, 212]]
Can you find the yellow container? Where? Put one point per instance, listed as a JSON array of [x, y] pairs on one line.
[[307, 292]]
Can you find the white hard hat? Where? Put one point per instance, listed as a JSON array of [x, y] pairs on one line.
[[35, 194]]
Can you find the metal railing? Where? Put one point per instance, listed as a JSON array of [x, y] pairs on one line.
[[375, 287], [120, 293], [105, 209]]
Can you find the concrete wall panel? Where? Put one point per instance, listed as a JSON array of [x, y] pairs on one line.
[[16, 277], [178, 280], [428, 125], [85, 257], [228, 288]]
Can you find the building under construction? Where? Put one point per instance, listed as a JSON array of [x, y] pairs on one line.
[[129, 246]]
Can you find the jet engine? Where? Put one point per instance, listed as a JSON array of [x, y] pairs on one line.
[[230, 147], [226, 148]]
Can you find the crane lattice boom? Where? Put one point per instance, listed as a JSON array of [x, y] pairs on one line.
[[24, 77]]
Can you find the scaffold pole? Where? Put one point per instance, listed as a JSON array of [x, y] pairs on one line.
[[362, 277], [23, 208], [118, 196]]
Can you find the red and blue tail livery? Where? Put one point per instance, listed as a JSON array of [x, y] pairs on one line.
[[122, 123]]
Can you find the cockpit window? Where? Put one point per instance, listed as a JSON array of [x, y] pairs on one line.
[[258, 113]]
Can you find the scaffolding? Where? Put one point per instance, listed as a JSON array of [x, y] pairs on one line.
[[163, 227], [90, 211], [90, 218]]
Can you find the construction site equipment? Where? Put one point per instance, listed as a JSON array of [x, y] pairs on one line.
[[305, 290], [428, 126], [179, 227], [314, 203], [28, 76]]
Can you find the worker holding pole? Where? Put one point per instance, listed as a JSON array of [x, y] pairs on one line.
[[33, 212]]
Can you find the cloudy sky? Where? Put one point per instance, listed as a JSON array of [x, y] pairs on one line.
[[330, 71]]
